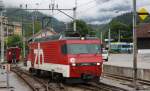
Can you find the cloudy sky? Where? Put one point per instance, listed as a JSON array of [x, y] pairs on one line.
[[93, 11]]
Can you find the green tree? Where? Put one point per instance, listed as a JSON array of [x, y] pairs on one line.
[[14, 40], [28, 28], [83, 28], [125, 30]]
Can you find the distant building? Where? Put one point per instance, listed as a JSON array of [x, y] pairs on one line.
[[143, 36], [43, 33], [17, 28], [11, 28]]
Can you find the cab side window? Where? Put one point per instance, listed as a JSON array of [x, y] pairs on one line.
[[64, 49]]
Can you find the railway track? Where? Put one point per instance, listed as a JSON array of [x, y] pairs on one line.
[[39, 84], [128, 79], [144, 82], [35, 83], [100, 87]]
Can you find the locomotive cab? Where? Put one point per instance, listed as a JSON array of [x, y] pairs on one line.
[[84, 58]]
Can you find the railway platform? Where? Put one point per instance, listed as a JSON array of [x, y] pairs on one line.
[[15, 83], [122, 65]]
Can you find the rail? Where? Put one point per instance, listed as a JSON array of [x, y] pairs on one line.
[[34, 83], [40, 84], [92, 86]]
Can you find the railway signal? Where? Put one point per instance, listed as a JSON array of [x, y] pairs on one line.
[[143, 14]]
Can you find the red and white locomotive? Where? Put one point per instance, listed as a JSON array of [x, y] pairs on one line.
[[70, 58]]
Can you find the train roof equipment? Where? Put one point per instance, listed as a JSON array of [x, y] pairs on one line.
[[67, 35]]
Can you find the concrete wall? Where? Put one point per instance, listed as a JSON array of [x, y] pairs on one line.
[[126, 71]]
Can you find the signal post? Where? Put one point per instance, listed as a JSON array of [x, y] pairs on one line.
[[143, 14]]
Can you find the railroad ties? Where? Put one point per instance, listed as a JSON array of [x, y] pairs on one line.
[[99, 87], [40, 84], [36, 83], [32, 82]]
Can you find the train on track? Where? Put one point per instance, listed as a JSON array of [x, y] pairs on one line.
[[66, 57], [13, 54]]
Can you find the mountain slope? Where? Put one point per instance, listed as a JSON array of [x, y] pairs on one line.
[[127, 18], [15, 14]]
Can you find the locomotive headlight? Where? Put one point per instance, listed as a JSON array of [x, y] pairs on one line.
[[82, 38], [98, 63], [74, 64], [72, 60]]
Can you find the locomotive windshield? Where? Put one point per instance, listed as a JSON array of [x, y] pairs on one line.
[[82, 49]]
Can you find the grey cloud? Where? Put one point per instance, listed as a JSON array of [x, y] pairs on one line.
[[103, 11], [103, 17], [102, 1], [116, 8], [115, 5], [109, 9]]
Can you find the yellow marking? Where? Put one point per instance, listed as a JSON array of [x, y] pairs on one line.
[[143, 10]]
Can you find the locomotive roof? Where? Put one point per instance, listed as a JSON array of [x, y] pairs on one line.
[[66, 35], [62, 37]]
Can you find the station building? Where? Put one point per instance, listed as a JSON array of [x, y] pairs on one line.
[[143, 36]]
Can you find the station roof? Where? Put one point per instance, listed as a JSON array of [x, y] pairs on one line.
[[143, 30]]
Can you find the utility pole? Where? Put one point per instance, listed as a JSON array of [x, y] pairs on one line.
[[109, 40], [23, 35], [119, 36], [33, 26], [101, 36], [66, 26], [2, 32], [134, 46], [75, 16], [2, 38], [7, 34]]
